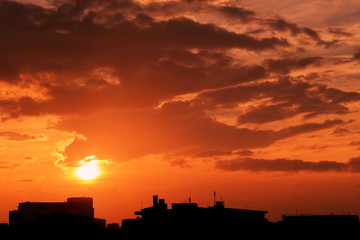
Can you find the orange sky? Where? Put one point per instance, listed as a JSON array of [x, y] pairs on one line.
[[178, 98]]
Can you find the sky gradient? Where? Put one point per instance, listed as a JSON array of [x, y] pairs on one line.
[[259, 102]]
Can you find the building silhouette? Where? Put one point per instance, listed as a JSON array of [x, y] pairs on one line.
[[113, 226], [30, 212], [189, 218], [75, 216], [321, 220]]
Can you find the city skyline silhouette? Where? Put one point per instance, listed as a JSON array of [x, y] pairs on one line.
[[75, 218]]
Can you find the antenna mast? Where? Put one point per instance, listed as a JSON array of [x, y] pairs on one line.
[[214, 198]]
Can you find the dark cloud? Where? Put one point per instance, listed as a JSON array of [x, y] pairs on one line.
[[357, 54], [354, 143], [177, 128], [308, 127], [180, 163], [161, 81], [81, 35], [8, 71], [282, 25], [286, 65], [14, 136], [312, 33], [339, 32], [286, 165], [285, 98], [354, 164], [152, 59], [181, 8], [316, 37], [245, 15], [339, 131], [339, 96]]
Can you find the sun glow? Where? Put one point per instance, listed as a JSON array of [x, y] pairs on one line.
[[89, 169]]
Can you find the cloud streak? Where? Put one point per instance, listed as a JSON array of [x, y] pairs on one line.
[[287, 165], [14, 136]]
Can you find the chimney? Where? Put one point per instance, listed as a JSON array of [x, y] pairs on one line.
[[155, 200]]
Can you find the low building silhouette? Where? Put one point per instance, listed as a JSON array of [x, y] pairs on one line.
[[186, 218], [30, 212], [113, 226], [43, 219], [319, 226], [321, 220]]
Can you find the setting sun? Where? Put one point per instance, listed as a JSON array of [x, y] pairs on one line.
[[88, 171]]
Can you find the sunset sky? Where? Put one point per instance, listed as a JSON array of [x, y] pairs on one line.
[[256, 100]]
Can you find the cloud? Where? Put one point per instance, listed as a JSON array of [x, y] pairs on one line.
[[339, 131], [308, 127], [26, 180], [283, 99], [180, 163], [177, 128], [340, 32], [287, 165], [7, 165], [67, 37], [354, 164], [181, 8], [245, 15], [354, 143], [282, 25], [286, 65], [356, 55], [73, 98], [14, 136]]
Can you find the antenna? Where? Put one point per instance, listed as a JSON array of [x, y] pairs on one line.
[[189, 195], [214, 198]]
